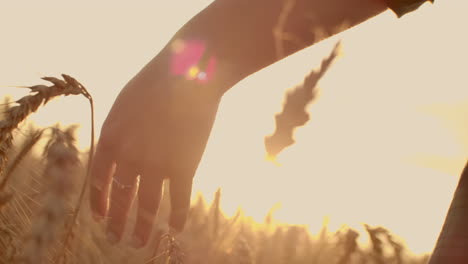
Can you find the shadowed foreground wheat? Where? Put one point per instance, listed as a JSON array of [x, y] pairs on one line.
[[31, 231], [62, 159], [14, 116]]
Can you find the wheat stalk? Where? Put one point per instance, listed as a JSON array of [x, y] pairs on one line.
[[62, 159], [376, 243], [349, 243], [294, 113], [171, 253], [216, 214], [397, 247], [40, 95]]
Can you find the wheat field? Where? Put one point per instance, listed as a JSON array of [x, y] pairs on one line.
[[44, 209], [44, 214]]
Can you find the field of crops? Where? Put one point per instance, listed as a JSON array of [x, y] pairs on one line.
[[42, 178], [34, 221]]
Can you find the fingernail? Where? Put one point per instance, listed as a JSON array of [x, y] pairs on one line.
[[136, 242], [112, 238]]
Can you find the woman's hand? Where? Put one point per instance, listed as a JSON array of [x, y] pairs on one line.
[[160, 123], [157, 128]]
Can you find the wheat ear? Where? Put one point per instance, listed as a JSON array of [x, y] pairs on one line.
[[40, 94], [62, 160], [68, 233]]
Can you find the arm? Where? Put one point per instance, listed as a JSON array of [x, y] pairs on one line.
[[243, 35], [159, 124]]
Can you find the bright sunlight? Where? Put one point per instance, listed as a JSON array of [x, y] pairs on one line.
[[388, 135]]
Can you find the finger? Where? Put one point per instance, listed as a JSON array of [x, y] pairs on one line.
[[124, 186], [102, 168], [180, 190], [149, 198]]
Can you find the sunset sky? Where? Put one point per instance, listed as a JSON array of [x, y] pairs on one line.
[[388, 136]]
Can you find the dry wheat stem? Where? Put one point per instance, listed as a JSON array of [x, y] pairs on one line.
[[68, 234], [172, 253], [62, 159], [294, 113]]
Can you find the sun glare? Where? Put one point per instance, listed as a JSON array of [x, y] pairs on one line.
[[191, 60], [383, 145], [355, 159]]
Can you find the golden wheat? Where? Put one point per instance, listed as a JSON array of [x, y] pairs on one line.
[[171, 253], [40, 94], [209, 237], [31, 140], [62, 159]]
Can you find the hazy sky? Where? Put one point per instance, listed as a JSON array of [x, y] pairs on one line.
[[388, 136]]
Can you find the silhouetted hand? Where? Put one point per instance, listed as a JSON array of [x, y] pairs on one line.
[[160, 123], [157, 128]]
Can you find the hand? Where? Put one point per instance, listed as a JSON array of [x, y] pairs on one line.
[[159, 124], [157, 128]]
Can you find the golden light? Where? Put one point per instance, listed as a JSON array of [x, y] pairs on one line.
[[371, 153], [272, 159]]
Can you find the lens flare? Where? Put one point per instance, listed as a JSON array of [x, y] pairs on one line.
[[193, 72], [192, 60]]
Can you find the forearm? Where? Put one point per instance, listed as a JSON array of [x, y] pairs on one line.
[[242, 35]]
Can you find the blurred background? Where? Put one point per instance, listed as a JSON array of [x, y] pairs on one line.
[[388, 136]]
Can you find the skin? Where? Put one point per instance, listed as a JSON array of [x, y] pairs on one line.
[[452, 244], [159, 124]]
